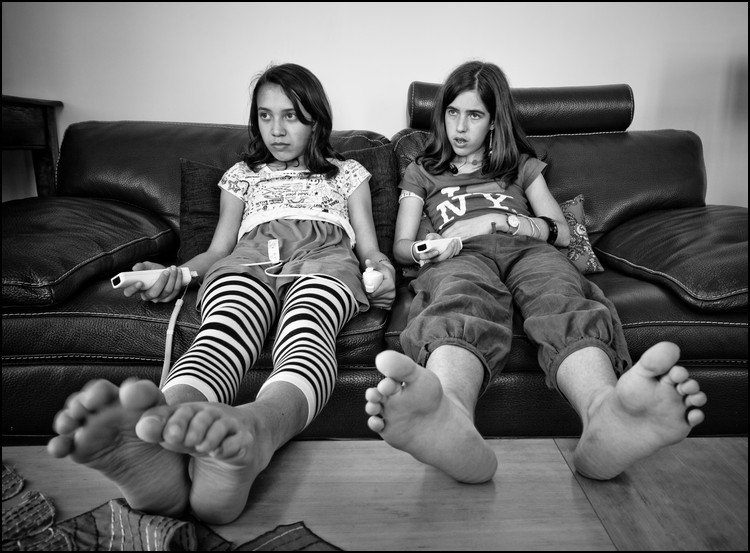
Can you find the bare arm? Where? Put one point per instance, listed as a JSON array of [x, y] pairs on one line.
[[407, 228], [366, 247], [224, 240], [543, 204]]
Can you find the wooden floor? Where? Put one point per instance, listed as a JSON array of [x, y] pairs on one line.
[[363, 495]]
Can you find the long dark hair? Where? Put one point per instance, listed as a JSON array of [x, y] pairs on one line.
[[509, 140], [306, 92]]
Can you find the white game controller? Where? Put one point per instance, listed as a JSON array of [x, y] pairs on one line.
[[440, 244], [371, 278], [148, 278]]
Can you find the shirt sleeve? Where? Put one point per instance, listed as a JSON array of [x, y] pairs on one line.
[[414, 181], [530, 170], [235, 180], [356, 174]]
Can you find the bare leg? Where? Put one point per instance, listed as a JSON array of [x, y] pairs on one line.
[[228, 446], [431, 416], [97, 429], [626, 420]]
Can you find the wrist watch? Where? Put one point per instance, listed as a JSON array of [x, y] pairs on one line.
[[513, 223]]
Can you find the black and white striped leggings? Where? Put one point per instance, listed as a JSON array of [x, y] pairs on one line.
[[237, 315]]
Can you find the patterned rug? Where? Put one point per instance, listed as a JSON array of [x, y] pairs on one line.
[[30, 526]]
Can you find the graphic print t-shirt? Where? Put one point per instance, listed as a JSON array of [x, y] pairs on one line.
[[448, 197], [294, 194]]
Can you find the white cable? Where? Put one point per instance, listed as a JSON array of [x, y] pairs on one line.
[[168, 340]]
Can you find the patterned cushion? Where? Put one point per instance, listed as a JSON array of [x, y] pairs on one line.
[[580, 251]]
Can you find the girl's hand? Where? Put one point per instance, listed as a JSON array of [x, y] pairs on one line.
[[384, 294], [482, 224], [164, 290], [433, 255]]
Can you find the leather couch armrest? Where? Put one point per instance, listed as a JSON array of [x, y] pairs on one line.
[[699, 253]]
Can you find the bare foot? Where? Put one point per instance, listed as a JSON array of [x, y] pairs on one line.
[[228, 446], [418, 418], [97, 429], [650, 407]]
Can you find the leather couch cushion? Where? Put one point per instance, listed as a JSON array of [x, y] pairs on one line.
[[199, 205], [699, 253], [53, 246], [102, 326]]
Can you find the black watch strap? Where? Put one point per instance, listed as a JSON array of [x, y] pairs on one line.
[[552, 230]]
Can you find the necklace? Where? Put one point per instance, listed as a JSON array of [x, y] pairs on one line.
[[473, 162], [276, 165], [455, 168]]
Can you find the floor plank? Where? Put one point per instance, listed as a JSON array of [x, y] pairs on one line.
[[688, 497]]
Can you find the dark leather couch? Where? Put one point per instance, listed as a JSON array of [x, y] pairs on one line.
[[128, 191]]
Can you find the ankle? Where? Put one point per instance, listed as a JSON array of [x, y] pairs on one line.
[[594, 404]]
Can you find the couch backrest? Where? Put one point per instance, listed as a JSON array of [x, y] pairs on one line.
[[551, 110], [139, 161], [580, 132]]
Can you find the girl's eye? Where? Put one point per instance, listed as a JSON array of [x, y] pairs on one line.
[[451, 112], [263, 115], [291, 116]]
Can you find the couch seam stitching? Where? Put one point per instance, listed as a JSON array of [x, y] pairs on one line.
[[673, 279], [85, 262]]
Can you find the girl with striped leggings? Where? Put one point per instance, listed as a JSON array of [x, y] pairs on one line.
[[295, 233]]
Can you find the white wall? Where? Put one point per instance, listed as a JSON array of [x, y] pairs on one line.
[[686, 62]]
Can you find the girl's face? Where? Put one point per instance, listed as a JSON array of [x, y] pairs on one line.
[[285, 136], [467, 123]]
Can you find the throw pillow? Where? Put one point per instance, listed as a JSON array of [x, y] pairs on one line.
[[54, 245], [699, 253], [199, 204], [199, 207], [382, 165], [579, 251]]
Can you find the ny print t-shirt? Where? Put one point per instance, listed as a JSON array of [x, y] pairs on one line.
[[448, 197], [294, 194]]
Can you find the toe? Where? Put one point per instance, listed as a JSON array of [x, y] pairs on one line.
[[388, 387], [372, 408], [373, 396], [75, 410], [149, 428], [659, 358], [376, 424], [199, 427], [676, 375], [140, 395], [396, 365], [235, 445], [64, 423], [695, 417], [696, 400], [60, 446], [97, 394], [688, 387], [214, 437]]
